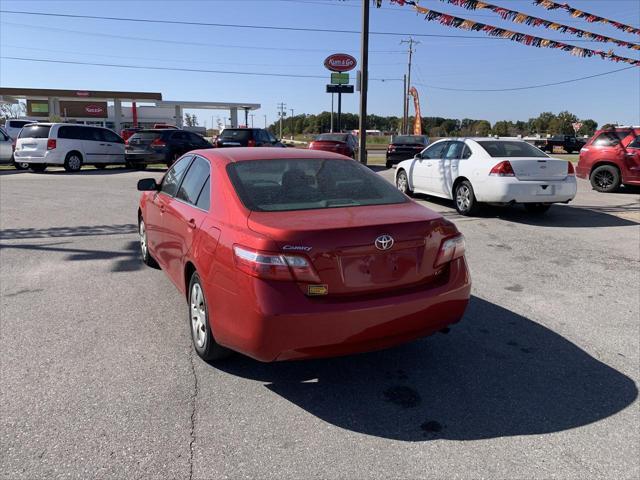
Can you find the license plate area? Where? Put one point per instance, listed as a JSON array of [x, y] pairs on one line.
[[380, 268], [545, 190]]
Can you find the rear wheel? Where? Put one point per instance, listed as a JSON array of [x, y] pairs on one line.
[[37, 167], [605, 178], [402, 182], [144, 246], [465, 199], [203, 342], [20, 165], [73, 162], [536, 208]]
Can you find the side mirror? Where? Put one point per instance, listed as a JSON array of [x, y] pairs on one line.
[[418, 156], [148, 185]]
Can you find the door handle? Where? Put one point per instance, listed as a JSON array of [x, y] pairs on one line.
[[192, 223]]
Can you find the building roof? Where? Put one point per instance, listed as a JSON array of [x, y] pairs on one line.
[[78, 94]]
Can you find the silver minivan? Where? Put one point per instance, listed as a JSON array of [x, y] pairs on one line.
[[70, 145]]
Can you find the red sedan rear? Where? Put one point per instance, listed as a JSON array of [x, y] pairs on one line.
[[286, 254], [343, 143]]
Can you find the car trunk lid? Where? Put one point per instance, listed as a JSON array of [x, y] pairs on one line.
[[542, 169], [33, 139], [346, 245]]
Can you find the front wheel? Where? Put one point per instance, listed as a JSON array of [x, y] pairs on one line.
[[605, 178], [402, 183], [536, 208], [464, 198], [205, 345], [20, 165], [147, 259]]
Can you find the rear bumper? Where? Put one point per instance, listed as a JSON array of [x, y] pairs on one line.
[[50, 157], [283, 324], [582, 172], [512, 190], [397, 157], [145, 157]]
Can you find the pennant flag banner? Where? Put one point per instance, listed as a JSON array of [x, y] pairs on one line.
[[457, 22], [519, 17], [589, 17]]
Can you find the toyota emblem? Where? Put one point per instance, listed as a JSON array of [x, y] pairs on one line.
[[384, 242]]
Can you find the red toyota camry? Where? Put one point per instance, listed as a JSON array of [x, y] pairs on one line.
[[286, 253]]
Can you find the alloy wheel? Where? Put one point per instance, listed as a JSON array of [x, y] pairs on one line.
[[604, 179], [143, 239], [463, 198], [198, 316], [74, 162]]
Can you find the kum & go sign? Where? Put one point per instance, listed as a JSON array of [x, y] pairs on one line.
[[340, 62]]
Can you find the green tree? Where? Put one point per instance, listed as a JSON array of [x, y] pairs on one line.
[[481, 128], [589, 127]]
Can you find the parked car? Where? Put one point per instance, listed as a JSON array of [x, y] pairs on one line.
[[42, 144], [485, 170], [569, 143], [164, 125], [404, 147], [126, 133], [160, 146], [12, 126], [343, 143], [285, 254], [6, 147], [611, 158], [247, 137]]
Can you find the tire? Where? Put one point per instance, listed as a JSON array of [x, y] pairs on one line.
[[21, 165], [605, 178], [402, 183], [73, 162], [537, 208], [204, 343], [464, 199], [389, 164], [146, 257], [37, 167], [135, 166], [101, 166]]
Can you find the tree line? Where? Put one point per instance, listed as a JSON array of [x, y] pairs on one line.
[[545, 123]]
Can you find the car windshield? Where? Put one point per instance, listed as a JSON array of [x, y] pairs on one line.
[[501, 148], [332, 137], [235, 135], [409, 139], [35, 131], [306, 184]]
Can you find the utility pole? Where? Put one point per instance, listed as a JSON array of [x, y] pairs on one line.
[[404, 103], [291, 123], [411, 43], [364, 67], [331, 128], [281, 114]]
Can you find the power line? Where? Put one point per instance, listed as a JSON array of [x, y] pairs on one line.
[[524, 88], [258, 27], [176, 69]]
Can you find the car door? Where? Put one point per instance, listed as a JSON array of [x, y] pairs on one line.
[[93, 144], [5, 148], [445, 169], [182, 219], [632, 160], [114, 147], [157, 206], [422, 168]]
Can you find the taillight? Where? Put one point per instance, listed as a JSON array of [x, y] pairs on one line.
[[158, 143], [51, 144], [571, 172], [311, 145], [251, 143], [450, 249], [503, 169], [273, 266], [126, 142], [391, 148]]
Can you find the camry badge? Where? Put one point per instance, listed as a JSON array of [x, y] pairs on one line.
[[302, 248], [384, 242]]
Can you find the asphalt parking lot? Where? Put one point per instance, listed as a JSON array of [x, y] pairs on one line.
[[99, 380]]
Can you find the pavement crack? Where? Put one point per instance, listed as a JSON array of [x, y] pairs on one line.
[[194, 398]]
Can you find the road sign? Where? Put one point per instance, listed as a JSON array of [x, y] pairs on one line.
[[339, 78], [576, 126], [339, 88], [340, 62]]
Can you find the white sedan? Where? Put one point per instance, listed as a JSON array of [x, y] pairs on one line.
[[487, 170]]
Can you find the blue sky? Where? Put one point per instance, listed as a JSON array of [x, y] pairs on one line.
[[438, 62]]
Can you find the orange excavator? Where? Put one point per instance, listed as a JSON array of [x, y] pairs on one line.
[[417, 123]]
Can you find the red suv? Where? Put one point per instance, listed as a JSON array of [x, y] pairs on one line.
[[610, 158]]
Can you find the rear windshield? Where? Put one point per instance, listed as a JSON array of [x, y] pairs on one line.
[[306, 184], [145, 136], [511, 149], [409, 139], [332, 137], [35, 131], [237, 135], [19, 123]]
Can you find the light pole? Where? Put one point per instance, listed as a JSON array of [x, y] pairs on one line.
[[251, 115], [364, 66], [291, 123]]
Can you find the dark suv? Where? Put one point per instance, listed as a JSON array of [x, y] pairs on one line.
[[247, 137], [160, 146]]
